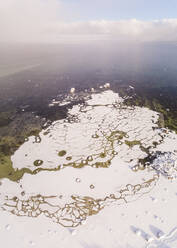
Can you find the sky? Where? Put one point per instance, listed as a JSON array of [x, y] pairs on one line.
[[52, 21], [122, 9]]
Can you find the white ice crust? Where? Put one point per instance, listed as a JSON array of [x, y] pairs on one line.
[[142, 219]]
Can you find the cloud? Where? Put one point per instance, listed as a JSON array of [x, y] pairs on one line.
[[45, 21], [158, 30], [27, 20]]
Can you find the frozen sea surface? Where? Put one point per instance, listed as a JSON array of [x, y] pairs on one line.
[[107, 170]]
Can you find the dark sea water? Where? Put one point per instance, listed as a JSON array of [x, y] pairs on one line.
[[33, 74]]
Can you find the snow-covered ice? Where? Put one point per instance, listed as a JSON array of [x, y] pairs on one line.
[[107, 178]]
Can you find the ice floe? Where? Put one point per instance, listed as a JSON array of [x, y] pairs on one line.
[[103, 169]]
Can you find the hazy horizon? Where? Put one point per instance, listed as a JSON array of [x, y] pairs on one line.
[[70, 21], [156, 60]]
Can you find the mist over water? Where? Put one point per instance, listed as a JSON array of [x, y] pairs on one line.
[[103, 59]]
